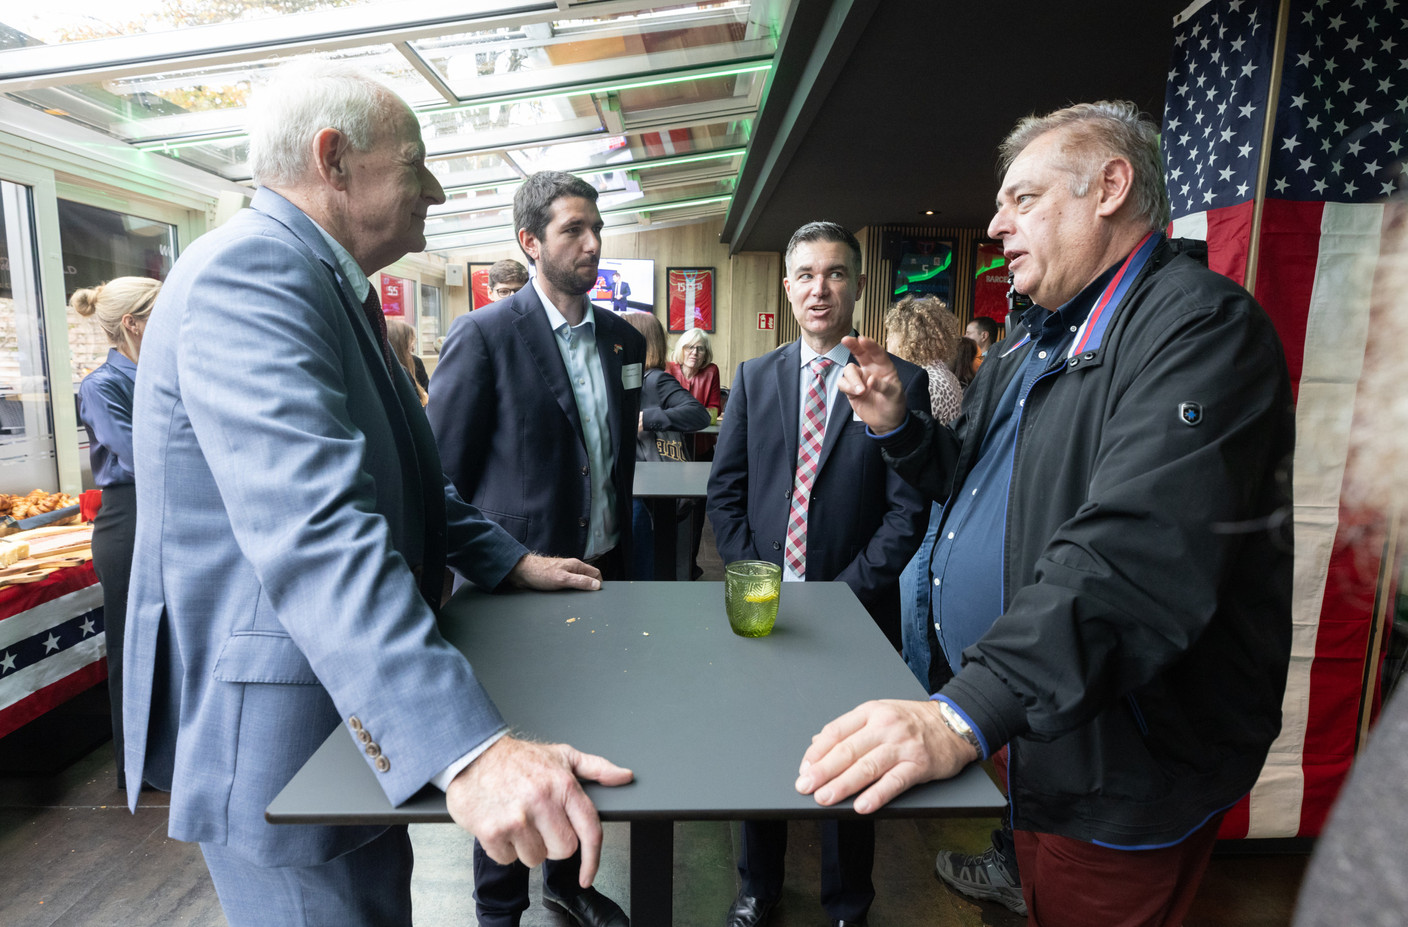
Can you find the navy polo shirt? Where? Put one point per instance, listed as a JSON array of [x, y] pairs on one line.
[[966, 569]]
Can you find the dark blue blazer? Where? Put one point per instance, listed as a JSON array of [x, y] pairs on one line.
[[506, 422], [864, 523]]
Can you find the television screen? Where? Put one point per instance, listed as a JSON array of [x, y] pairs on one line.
[[627, 283]]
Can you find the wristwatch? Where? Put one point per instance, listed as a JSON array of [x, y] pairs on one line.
[[955, 723]]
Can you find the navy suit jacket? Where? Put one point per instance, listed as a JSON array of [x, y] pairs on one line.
[[864, 523], [288, 489], [506, 421]]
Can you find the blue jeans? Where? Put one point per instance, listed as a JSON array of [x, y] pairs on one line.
[[916, 602]]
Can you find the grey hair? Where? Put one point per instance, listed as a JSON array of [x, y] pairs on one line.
[[693, 336], [1096, 132], [300, 101]]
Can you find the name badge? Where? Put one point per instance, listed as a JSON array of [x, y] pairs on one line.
[[631, 376]]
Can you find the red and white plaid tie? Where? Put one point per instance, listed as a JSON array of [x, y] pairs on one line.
[[808, 455]]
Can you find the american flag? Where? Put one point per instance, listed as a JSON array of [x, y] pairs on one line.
[[51, 643], [1340, 94]]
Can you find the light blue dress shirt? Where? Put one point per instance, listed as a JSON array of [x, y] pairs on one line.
[[577, 344]]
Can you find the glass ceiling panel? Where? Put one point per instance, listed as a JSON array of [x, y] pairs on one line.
[[499, 62], [204, 101], [653, 106], [465, 126], [490, 209], [574, 156], [61, 21], [679, 93], [627, 150], [472, 169]]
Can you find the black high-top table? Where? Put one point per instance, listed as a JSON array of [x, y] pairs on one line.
[[650, 676]]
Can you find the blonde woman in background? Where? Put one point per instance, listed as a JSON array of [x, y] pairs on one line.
[[692, 363], [921, 330], [402, 338], [665, 406], [121, 307]]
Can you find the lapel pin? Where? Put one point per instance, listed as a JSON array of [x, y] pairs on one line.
[[1190, 413], [616, 349]]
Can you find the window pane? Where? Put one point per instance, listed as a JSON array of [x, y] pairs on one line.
[[26, 426], [98, 245]]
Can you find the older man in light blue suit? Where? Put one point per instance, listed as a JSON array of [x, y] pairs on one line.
[[296, 528]]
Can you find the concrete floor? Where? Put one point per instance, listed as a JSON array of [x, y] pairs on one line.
[[72, 856]]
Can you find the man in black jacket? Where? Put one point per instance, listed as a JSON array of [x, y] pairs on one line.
[[1121, 477]]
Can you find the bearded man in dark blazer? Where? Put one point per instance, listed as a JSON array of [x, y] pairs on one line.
[[534, 405]]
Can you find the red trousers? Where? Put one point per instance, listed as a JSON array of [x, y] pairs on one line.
[[1071, 883]]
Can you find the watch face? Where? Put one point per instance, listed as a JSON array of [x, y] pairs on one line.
[[956, 723]]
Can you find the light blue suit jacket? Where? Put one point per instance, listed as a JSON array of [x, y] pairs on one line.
[[287, 485]]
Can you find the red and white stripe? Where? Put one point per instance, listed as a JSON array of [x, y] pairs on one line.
[[32, 608], [660, 144], [1315, 279]]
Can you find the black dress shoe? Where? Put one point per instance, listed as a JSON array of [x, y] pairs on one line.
[[748, 911], [589, 909]]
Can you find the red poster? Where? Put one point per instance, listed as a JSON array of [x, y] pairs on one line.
[[990, 283], [479, 286], [691, 295], [395, 295]]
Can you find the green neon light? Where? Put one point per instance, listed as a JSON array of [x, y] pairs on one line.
[[929, 275], [628, 210], [647, 165], [997, 262], [172, 145], [585, 89]]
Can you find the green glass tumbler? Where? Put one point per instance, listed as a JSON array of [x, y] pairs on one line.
[[751, 591]]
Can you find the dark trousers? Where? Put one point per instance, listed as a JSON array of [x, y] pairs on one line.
[[501, 892], [114, 531], [847, 857]]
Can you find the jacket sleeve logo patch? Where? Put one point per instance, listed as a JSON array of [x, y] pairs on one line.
[[1190, 413]]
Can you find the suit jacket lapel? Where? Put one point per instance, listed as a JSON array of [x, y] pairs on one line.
[[541, 344], [789, 374]]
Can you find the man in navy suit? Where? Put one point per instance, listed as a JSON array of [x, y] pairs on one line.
[[534, 404], [620, 292], [294, 531], [797, 482]]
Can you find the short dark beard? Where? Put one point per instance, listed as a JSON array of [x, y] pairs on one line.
[[565, 280]]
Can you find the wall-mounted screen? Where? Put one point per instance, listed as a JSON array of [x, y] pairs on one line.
[[627, 283]]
